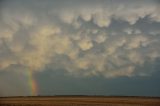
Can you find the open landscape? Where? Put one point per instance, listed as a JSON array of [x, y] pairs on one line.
[[79, 52], [79, 101]]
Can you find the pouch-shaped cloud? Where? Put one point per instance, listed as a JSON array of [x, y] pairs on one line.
[[79, 37]]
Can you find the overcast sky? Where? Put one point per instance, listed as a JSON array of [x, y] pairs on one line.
[[80, 47]]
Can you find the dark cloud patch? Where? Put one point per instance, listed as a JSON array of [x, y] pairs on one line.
[[13, 84], [60, 84]]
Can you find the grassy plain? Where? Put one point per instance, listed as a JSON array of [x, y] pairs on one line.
[[79, 101]]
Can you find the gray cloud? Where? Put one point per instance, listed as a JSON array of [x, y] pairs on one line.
[[80, 39], [10, 87]]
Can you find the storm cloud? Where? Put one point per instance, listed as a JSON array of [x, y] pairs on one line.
[[105, 38]]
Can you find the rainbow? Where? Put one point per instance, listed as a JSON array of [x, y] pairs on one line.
[[32, 84]]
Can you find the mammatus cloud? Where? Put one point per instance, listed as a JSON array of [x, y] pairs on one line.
[[83, 40]]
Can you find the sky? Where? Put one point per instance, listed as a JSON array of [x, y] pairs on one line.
[[80, 47]]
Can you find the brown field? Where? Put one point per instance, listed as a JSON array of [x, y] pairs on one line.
[[79, 101]]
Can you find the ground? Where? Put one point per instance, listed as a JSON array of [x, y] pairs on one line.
[[79, 101]]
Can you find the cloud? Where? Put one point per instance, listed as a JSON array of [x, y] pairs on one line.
[[85, 44], [88, 40], [13, 84], [100, 38], [136, 41], [102, 14]]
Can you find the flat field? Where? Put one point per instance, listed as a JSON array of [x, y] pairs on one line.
[[79, 101]]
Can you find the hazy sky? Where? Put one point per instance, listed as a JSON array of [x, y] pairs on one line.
[[80, 47]]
